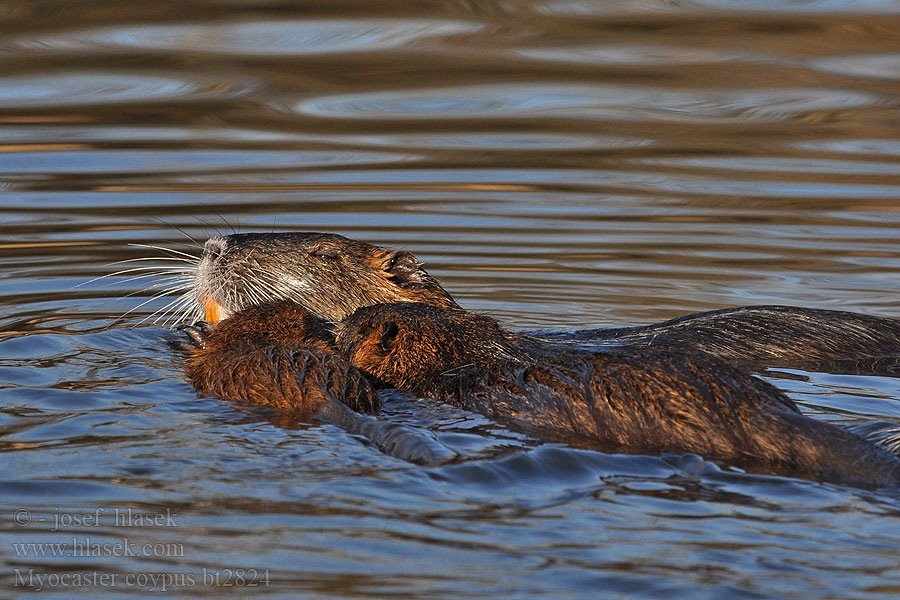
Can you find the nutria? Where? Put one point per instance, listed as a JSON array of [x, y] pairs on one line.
[[760, 333], [332, 276], [280, 356], [640, 400]]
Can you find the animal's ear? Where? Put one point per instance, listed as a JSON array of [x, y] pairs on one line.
[[404, 267], [389, 331]]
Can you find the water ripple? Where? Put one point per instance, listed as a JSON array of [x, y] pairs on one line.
[[781, 165], [879, 66], [589, 102], [865, 147], [260, 38], [502, 140], [74, 89], [621, 54], [172, 161], [617, 7]]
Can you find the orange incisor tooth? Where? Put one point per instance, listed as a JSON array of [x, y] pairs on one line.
[[212, 311]]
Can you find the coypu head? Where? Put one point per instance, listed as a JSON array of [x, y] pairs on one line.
[[408, 345], [327, 274]]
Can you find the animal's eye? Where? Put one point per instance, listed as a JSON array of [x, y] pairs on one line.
[[325, 252]]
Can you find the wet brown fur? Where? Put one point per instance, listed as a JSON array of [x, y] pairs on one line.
[[281, 357], [640, 400], [761, 333], [327, 274]]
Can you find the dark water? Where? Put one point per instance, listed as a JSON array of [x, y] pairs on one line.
[[557, 164]]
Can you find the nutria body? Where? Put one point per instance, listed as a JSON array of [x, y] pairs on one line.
[[279, 356], [332, 276], [760, 333], [282, 357], [642, 400]]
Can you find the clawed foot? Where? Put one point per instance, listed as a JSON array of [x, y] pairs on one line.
[[197, 335]]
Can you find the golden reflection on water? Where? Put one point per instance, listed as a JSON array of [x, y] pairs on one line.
[[558, 163]]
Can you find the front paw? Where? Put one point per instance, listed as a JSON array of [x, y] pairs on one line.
[[196, 334]]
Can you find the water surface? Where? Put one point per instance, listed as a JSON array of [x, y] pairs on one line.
[[557, 164]]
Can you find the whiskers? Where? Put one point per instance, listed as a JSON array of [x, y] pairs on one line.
[[458, 370], [171, 274], [262, 285]]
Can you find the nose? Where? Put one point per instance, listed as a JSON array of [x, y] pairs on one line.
[[214, 247]]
